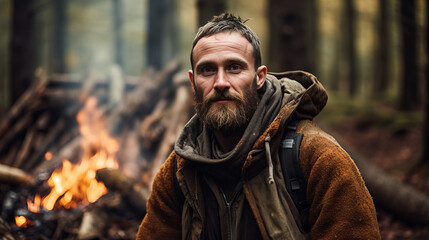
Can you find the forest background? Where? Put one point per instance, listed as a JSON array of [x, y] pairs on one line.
[[371, 55]]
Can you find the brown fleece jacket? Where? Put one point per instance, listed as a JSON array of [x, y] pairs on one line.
[[340, 205]]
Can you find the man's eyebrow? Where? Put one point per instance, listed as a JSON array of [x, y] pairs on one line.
[[237, 60], [203, 63]]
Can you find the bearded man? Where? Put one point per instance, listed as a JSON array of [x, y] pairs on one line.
[[225, 163]]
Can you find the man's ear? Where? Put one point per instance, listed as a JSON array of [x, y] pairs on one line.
[[261, 74], [191, 78]]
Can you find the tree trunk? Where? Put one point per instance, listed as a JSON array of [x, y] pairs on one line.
[[350, 36], [117, 30], [425, 158], [60, 22], [289, 31], [162, 33], [409, 95], [209, 8], [22, 50], [396, 197], [381, 82]]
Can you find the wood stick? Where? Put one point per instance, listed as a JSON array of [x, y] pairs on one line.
[[142, 99], [14, 176], [117, 85], [18, 109], [11, 155], [5, 230], [25, 148], [93, 224], [130, 154], [179, 115], [15, 132], [134, 193], [69, 151]]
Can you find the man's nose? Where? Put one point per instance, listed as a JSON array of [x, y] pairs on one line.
[[221, 82]]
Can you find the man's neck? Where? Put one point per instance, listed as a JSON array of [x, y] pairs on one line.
[[228, 139]]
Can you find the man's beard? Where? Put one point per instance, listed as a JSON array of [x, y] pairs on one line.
[[231, 116]]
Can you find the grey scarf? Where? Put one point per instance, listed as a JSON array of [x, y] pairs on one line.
[[195, 143]]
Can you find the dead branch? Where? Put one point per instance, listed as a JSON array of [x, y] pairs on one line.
[[142, 99], [177, 118], [27, 97], [14, 176]]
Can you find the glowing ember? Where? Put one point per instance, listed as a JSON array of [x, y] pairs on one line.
[[73, 185], [48, 156], [21, 221]]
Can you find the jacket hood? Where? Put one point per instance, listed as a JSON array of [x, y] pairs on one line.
[[305, 88], [296, 88]]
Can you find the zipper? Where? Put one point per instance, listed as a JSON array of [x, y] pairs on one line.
[[229, 207]]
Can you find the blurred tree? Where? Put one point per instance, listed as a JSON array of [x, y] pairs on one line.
[[350, 39], [117, 31], [409, 95], [162, 33], [425, 158], [22, 48], [60, 23], [209, 8], [381, 82], [313, 36], [289, 34]]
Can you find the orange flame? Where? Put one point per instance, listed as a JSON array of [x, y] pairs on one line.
[[23, 222], [73, 185]]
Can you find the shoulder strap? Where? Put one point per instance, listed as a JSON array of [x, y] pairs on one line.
[[179, 194], [295, 182]]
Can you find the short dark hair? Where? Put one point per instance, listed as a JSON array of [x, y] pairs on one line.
[[227, 22]]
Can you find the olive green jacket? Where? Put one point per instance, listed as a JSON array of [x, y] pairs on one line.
[[340, 204]]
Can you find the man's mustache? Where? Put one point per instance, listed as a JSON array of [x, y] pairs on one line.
[[219, 96]]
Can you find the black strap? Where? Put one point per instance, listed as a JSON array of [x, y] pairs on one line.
[[179, 194], [296, 184]]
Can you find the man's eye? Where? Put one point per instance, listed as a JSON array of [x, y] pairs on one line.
[[207, 70], [235, 68]]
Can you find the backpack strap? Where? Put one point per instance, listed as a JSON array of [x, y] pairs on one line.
[[296, 184], [178, 191]]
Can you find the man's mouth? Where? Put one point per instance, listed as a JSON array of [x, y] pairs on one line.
[[223, 101]]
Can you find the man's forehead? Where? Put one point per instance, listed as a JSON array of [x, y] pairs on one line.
[[226, 42]]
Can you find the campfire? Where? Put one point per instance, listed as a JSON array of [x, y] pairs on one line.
[[84, 170], [75, 184]]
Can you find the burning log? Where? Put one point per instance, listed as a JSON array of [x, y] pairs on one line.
[[14, 176], [132, 192], [93, 224], [44, 132]]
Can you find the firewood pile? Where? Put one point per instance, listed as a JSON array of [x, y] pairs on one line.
[[68, 122]]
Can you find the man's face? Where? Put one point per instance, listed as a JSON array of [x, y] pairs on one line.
[[225, 81]]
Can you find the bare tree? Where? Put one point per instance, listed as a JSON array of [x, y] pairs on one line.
[[425, 158], [381, 82], [209, 8], [22, 48], [117, 31], [59, 41], [162, 33], [350, 36], [289, 35], [409, 94]]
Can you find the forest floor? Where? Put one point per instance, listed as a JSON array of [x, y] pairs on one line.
[[394, 151]]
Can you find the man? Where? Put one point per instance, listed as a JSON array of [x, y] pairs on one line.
[[225, 163]]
